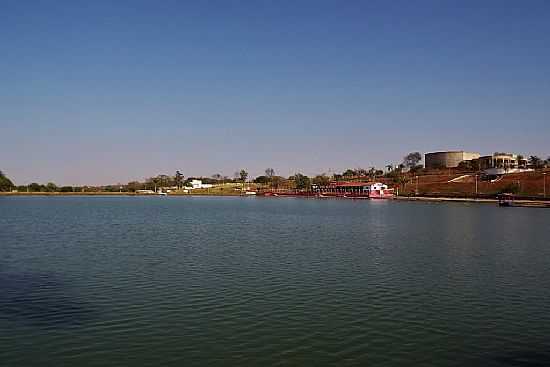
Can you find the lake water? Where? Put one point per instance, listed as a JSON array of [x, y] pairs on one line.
[[211, 281]]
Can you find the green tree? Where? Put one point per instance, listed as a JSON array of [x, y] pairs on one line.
[[372, 173], [412, 160], [178, 178], [321, 180], [262, 180], [134, 185], [361, 172], [277, 181], [269, 172], [399, 179], [535, 161], [51, 187], [109, 188], [511, 188], [164, 180], [5, 183], [301, 181], [349, 173], [243, 175], [152, 183], [35, 187]]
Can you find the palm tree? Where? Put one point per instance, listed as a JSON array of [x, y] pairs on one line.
[[179, 179], [269, 173], [372, 173], [243, 175]]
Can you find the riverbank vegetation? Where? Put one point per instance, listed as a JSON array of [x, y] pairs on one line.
[[5, 183], [408, 177]]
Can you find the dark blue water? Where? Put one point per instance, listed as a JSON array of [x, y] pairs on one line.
[[111, 281]]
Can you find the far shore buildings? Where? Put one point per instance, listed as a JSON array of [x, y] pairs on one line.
[[495, 164], [197, 184], [448, 159], [502, 163]]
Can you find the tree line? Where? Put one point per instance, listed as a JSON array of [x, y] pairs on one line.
[[396, 173], [178, 180]]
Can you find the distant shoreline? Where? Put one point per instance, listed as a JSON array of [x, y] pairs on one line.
[[69, 194], [540, 203], [108, 193]]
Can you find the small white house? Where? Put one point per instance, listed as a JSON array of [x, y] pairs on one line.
[[197, 184]]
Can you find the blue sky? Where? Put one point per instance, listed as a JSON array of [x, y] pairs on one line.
[[98, 92]]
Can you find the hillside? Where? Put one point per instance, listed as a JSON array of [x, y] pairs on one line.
[[464, 184]]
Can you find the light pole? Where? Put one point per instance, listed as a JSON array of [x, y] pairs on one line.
[[544, 183], [416, 190], [476, 186]]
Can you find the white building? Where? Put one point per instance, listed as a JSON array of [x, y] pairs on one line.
[[197, 184]]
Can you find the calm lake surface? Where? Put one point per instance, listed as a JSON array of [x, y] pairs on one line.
[[211, 281]]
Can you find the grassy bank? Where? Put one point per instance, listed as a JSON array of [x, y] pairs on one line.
[[200, 192]]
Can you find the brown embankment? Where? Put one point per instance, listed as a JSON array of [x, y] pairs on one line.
[[527, 185]]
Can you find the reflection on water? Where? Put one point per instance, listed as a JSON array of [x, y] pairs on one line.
[[230, 281], [40, 300], [524, 359]]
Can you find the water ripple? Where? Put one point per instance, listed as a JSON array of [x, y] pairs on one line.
[[226, 281]]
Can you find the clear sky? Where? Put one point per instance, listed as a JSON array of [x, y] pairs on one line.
[[98, 92]]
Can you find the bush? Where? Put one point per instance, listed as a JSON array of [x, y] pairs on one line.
[[511, 188]]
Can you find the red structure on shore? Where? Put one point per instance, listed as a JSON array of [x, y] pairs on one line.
[[351, 190], [359, 190]]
